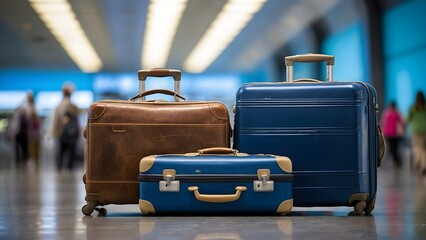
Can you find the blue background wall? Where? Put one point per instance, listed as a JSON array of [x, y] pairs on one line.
[[43, 80], [404, 45], [349, 50]]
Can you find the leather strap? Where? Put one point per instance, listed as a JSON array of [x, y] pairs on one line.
[[157, 91]]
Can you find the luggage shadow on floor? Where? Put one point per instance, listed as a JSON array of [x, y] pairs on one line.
[[327, 213]]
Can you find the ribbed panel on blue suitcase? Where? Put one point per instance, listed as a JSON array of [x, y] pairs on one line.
[[217, 181], [329, 130]]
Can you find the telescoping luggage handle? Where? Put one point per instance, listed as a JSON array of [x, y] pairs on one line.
[[159, 72], [311, 57]]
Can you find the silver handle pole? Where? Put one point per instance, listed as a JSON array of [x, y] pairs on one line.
[[329, 73], [177, 87], [141, 89], [289, 76]]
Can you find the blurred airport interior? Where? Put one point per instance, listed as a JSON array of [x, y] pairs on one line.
[[98, 46], [381, 42]]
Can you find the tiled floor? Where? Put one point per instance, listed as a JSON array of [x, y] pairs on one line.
[[45, 204]]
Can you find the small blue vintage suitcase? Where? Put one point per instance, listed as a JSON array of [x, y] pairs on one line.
[[328, 129], [215, 181]]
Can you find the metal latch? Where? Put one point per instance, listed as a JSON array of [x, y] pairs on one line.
[[169, 184], [263, 184]]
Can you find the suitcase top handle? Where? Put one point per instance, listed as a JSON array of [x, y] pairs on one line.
[[217, 198], [159, 72], [310, 57], [217, 150]]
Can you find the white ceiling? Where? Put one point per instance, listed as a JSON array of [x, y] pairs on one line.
[[116, 28]]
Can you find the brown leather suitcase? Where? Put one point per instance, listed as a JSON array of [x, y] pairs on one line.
[[119, 133]]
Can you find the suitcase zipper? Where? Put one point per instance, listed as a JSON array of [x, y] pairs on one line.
[[261, 183], [215, 177]]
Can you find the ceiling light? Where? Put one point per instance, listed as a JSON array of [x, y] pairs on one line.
[[162, 22], [59, 18], [233, 17]]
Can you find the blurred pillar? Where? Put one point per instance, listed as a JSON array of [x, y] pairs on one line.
[[374, 26]]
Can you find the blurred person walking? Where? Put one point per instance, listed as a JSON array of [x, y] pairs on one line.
[[21, 130], [66, 129], [394, 130], [34, 135], [417, 119]]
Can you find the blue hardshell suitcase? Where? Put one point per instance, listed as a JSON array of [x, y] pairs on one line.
[[328, 129], [215, 181]]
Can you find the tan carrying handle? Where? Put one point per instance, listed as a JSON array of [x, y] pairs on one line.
[[217, 198], [217, 150], [157, 91], [310, 57]]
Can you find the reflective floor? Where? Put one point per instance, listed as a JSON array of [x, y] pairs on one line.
[[45, 204]]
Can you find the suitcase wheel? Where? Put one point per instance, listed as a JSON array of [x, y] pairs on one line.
[[360, 207], [370, 206], [88, 208]]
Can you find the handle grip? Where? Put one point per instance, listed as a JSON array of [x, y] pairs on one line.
[[217, 150], [156, 91], [159, 72], [217, 198], [310, 57]]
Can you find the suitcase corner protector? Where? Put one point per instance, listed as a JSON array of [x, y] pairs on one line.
[[356, 197], [285, 207], [219, 111], [96, 110], [284, 163], [146, 207], [146, 163]]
